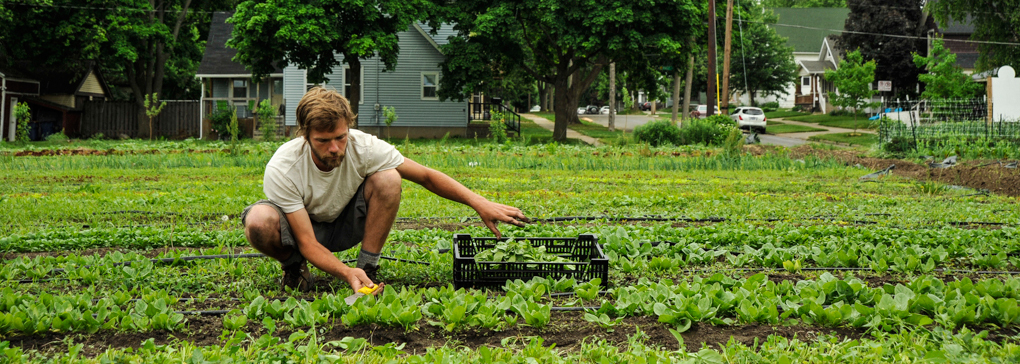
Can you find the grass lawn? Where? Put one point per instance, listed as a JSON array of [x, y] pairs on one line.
[[864, 139], [775, 127], [784, 114], [847, 121], [596, 130]]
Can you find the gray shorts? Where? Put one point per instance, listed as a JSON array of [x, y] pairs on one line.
[[341, 234]]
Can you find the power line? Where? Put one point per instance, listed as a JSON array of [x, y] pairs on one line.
[[883, 34]]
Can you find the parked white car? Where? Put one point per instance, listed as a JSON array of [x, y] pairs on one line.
[[750, 118], [580, 111], [604, 110], [536, 108]]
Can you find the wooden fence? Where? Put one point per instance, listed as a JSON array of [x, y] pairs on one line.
[[178, 120]]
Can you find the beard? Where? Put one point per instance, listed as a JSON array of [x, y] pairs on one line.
[[331, 160]]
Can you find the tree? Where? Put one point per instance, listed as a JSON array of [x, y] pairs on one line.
[[853, 81], [561, 42], [902, 18], [993, 20], [944, 80], [137, 42], [762, 62], [152, 109], [804, 3], [309, 34]]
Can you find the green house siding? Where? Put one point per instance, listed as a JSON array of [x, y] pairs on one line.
[[400, 88], [805, 28]]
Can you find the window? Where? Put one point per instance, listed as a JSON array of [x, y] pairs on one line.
[[429, 85], [347, 83], [278, 86], [805, 81], [240, 88]]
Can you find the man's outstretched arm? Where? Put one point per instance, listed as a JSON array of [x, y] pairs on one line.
[[444, 186]]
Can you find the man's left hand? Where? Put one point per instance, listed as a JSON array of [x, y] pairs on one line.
[[493, 213]]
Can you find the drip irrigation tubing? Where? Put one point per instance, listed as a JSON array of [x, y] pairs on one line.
[[227, 256]]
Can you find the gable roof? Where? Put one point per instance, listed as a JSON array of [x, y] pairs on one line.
[[62, 79], [805, 28], [218, 58]]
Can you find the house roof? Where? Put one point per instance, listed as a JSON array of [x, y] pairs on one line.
[[814, 67], [805, 28], [218, 58], [965, 26], [60, 80]]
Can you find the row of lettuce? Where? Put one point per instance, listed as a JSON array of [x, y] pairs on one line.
[[717, 300]]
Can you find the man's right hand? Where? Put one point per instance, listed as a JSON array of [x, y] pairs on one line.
[[357, 278]]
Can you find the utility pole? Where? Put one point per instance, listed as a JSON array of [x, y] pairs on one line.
[[612, 96], [710, 109], [726, 58]]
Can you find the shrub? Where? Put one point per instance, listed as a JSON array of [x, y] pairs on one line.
[[221, 121], [22, 114], [722, 120], [58, 137], [899, 145], [770, 106], [497, 127], [708, 131], [267, 120], [658, 132], [734, 143]]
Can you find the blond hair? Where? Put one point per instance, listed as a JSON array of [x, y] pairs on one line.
[[321, 110]]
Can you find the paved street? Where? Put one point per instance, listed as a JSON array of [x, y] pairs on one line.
[[630, 122]]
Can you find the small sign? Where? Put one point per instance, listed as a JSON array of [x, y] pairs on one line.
[[885, 85]]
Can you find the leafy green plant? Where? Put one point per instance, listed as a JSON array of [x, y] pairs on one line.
[[658, 133], [497, 127], [152, 109], [520, 250], [23, 114], [221, 119], [266, 114], [389, 116]]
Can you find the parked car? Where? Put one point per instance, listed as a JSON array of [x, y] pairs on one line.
[[701, 111], [604, 110], [536, 108], [750, 118], [580, 111], [591, 109]]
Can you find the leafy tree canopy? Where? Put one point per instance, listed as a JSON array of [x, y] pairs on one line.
[[853, 80], [760, 60], [309, 34], [140, 43], [993, 20], [944, 80], [804, 3], [893, 54], [563, 43]]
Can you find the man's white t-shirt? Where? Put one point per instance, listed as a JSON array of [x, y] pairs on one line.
[[292, 181]]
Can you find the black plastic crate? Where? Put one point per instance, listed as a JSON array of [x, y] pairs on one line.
[[585, 250]]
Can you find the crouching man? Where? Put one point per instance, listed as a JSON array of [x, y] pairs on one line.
[[333, 187]]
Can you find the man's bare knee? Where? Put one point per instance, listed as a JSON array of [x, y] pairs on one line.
[[262, 227], [383, 186]]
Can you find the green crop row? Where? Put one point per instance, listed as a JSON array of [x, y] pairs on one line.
[[718, 300], [309, 347]]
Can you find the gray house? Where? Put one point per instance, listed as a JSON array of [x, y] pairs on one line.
[[411, 89]]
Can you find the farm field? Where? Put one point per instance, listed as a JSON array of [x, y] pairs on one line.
[[134, 253]]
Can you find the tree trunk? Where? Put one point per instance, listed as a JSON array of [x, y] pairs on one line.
[[687, 85], [563, 99], [676, 94], [612, 96], [354, 98]]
